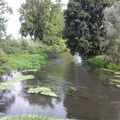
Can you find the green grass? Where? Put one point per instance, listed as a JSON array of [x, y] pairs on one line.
[[97, 61], [26, 54], [23, 61], [100, 62], [30, 117]]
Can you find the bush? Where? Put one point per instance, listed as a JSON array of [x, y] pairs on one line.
[[26, 54], [112, 66], [97, 61], [16, 46]]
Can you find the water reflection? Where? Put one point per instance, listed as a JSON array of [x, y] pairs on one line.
[[93, 100], [6, 100]]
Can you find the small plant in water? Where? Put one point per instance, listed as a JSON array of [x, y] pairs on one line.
[[43, 90]]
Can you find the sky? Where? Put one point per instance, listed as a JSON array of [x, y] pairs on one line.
[[13, 23]]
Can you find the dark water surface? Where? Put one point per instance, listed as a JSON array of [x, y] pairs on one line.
[[94, 99]]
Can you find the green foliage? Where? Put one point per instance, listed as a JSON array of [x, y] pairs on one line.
[[43, 20], [53, 24], [97, 61], [84, 27], [112, 23], [100, 61], [112, 66], [23, 61], [21, 55]]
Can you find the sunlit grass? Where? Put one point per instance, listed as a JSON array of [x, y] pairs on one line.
[[30, 117]]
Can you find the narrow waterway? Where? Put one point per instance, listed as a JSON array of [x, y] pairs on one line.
[[94, 98]]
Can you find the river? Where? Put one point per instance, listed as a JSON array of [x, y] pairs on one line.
[[94, 98]]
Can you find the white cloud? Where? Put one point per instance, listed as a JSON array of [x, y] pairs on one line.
[[13, 23]]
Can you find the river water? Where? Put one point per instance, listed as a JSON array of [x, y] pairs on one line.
[[94, 99]]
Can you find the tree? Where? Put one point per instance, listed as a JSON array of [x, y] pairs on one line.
[[31, 14], [84, 26], [4, 8], [42, 19], [112, 23], [53, 24]]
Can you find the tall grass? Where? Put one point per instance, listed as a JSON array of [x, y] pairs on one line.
[[29, 117], [21, 55]]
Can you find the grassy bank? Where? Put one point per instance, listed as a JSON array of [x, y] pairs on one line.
[[25, 54], [30, 117], [100, 62], [21, 55], [23, 61]]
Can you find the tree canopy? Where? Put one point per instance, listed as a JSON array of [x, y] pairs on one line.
[[112, 23], [42, 20], [84, 26]]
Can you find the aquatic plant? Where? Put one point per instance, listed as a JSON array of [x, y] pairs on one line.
[[115, 80], [43, 90]]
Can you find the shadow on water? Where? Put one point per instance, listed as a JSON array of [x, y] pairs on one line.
[[94, 98]]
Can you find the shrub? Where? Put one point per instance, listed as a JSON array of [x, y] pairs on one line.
[[112, 66], [97, 61]]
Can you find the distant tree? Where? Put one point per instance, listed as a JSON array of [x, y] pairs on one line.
[[4, 8], [84, 26], [112, 27], [53, 24], [42, 20], [31, 18]]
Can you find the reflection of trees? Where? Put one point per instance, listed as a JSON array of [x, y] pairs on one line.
[[89, 108], [93, 100], [41, 100], [6, 100]]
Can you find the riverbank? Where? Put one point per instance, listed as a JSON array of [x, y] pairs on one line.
[[25, 55], [30, 117], [99, 62], [23, 61]]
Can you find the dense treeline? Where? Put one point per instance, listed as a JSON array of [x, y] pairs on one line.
[[84, 29], [91, 29]]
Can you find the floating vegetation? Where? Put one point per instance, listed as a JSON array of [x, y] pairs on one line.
[[73, 88], [8, 84], [43, 90], [117, 76], [115, 80], [117, 73], [107, 70], [103, 77]]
